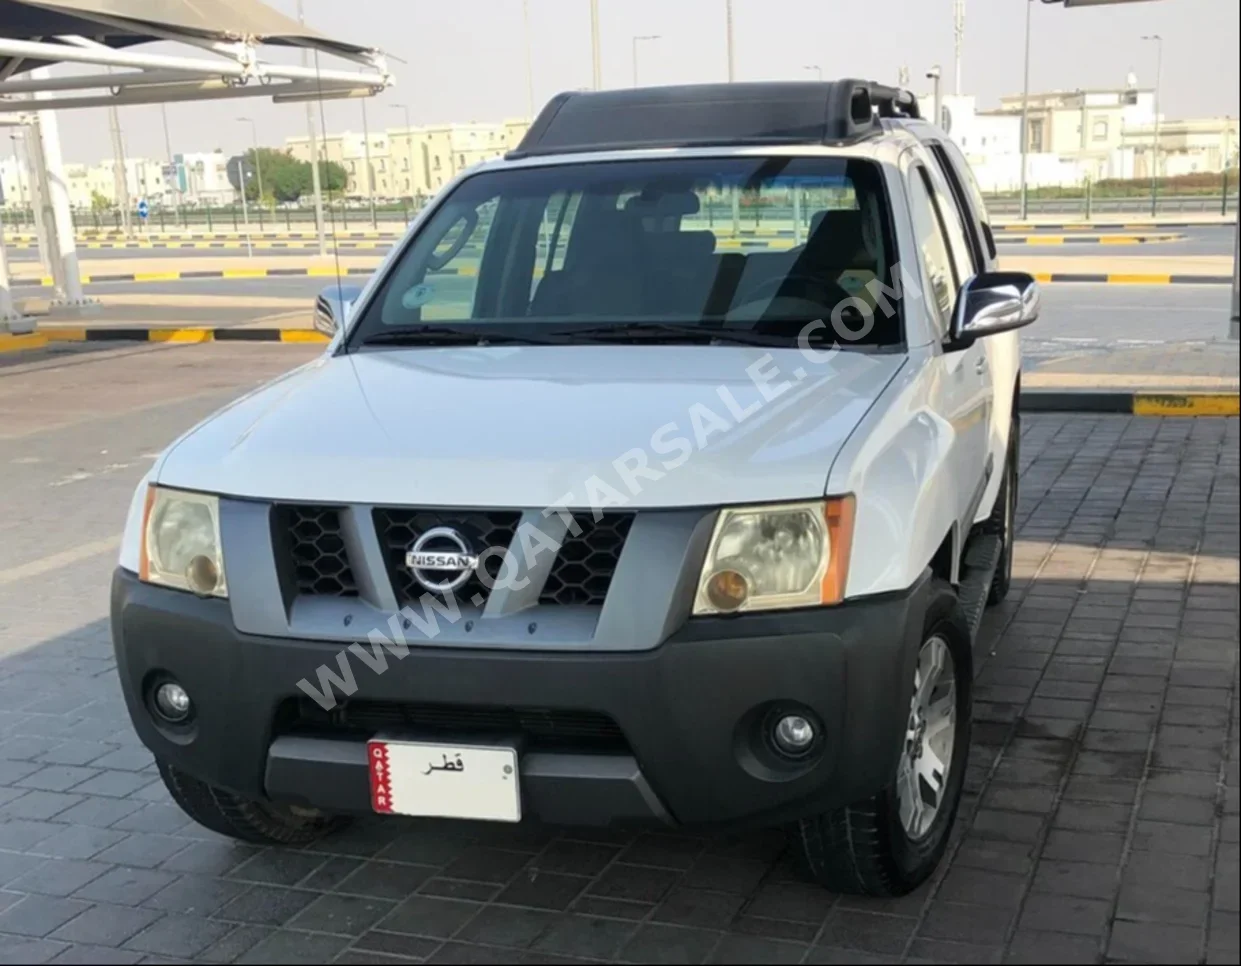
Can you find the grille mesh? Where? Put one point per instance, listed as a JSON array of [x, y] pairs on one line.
[[587, 560], [320, 560]]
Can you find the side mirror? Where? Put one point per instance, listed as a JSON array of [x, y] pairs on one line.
[[332, 307], [994, 302]]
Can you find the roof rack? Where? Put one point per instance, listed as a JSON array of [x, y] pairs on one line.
[[707, 115]]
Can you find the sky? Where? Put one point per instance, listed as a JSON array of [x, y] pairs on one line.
[[464, 60]]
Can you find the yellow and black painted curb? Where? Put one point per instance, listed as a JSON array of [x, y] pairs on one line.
[[186, 335], [231, 244], [1087, 239], [92, 239], [1112, 226], [328, 271], [1132, 403]]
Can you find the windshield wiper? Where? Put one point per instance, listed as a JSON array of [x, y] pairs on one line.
[[444, 335], [672, 332]]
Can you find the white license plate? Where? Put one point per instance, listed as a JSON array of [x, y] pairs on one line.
[[444, 781]]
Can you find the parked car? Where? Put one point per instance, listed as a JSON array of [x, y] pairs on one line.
[[604, 505]]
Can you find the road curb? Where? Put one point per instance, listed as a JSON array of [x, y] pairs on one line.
[[1132, 403], [328, 271], [190, 334], [1112, 225]]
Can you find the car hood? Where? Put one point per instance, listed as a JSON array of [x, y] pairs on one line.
[[538, 426]]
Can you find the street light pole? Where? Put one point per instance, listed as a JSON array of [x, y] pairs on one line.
[[816, 68], [636, 41], [937, 110], [163, 109], [258, 169], [314, 152], [596, 65], [728, 19], [366, 150], [120, 177], [1025, 120], [409, 147], [1158, 39], [525, 22]]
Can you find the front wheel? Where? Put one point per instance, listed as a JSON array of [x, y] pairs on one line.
[[263, 823], [891, 844]]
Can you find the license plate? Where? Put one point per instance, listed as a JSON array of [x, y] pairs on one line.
[[444, 781]]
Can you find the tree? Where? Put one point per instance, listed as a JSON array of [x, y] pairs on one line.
[[99, 202], [285, 178]]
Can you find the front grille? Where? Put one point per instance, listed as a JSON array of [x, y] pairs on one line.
[[311, 542], [399, 528], [539, 729], [587, 560]]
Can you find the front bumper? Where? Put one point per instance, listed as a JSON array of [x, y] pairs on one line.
[[691, 710]]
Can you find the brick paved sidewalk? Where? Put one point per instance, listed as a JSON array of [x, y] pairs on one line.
[[1102, 818]]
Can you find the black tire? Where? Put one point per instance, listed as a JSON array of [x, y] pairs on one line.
[[1003, 521], [864, 848], [263, 823]]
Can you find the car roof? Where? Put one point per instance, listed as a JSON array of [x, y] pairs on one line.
[[772, 115]]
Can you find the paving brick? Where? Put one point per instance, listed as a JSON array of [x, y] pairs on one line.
[[587, 936], [283, 867], [1150, 903], [195, 895], [1008, 826], [635, 883], [429, 917], [475, 891], [1044, 913], [344, 915], [1084, 847], [936, 951], [1171, 837], [793, 901], [1092, 817], [95, 956], [105, 925], [543, 890], [1161, 870], [295, 947], [263, 905], [1086, 880], [726, 873], [733, 948], [181, 936], [659, 943], [698, 907], [1032, 947], [1147, 942], [142, 850], [1011, 857], [1181, 809], [979, 925], [976, 887], [664, 851], [37, 916], [575, 858], [78, 842], [28, 951]]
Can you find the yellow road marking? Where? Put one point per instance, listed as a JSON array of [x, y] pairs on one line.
[[303, 335], [245, 273], [69, 334], [180, 335], [1187, 404], [1124, 279], [156, 276], [21, 343]]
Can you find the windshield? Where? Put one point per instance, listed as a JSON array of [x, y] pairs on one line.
[[755, 247]]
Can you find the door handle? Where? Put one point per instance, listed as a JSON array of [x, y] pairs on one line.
[[981, 365]]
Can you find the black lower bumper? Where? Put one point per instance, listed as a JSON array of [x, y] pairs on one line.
[[694, 712]]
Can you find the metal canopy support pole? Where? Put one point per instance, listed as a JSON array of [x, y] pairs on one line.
[[1025, 120], [1234, 321], [728, 21], [370, 172], [64, 253], [11, 320]]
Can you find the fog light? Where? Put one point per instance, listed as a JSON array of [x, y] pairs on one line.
[[794, 734], [727, 590], [202, 575], [172, 701]]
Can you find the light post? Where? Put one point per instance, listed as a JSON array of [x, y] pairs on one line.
[[937, 111], [728, 20], [525, 24], [596, 65], [314, 152], [245, 207], [1025, 120], [409, 146], [816, 68], [637, 40], [163, 109], [1155, 139], [258, 169], [370, 172]]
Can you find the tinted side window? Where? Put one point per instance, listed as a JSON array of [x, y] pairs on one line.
[[933, 248], [955, 227], [961, 177]]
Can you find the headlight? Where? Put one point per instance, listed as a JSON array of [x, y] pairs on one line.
[[768, 557], [181, 542]]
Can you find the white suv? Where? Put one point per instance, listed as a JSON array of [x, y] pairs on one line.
[[660, 475]]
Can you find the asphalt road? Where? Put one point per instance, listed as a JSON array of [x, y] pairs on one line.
[[1100, 809], [1203, 240]]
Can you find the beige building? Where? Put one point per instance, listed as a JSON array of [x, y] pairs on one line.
[[1207, 144], [407, 162]]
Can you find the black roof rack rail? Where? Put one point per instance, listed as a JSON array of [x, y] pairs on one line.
[[709, 115]]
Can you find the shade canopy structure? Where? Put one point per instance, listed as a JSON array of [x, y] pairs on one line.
[[226, 37]]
